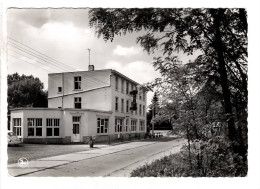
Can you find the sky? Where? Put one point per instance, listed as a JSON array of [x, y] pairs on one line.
[[64, 35]]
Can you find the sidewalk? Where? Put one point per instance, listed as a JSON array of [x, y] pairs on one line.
[[98, 150]]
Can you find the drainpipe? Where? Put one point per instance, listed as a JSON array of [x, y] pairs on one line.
[[62, 90]]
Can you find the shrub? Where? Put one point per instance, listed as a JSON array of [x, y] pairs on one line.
[[210, 158]]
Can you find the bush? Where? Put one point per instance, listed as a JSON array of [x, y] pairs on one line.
[[211, 158]]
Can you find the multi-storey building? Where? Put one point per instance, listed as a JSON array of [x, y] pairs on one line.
[[94, 103]]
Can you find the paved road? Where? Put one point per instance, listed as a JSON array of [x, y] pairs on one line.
[[114, 161]]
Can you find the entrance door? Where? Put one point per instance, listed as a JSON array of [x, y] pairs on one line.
[[76, 129], [75, 133]]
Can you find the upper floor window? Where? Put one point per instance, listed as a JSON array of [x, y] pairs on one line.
[[127, 88], [77, 102], [122, 86], [132, 87], [127, 106], [116, 104], [77, 82], [143, 96], [116, 83], [143, 110], [122, 105], [59, 89], [140, 109]]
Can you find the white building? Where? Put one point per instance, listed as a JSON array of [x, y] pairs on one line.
[[83, 104]]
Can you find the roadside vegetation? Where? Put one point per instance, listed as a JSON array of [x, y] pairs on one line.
[[204, 99]]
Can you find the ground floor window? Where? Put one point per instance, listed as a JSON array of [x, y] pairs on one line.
[[133, 125], [52, 127], [34, 126], [142, 126], [17, 126], [126, 125], [119, 125], [102, 125]]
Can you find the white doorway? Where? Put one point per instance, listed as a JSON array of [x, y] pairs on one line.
[[75, 129]]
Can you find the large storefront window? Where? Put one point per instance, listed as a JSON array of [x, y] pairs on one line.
[[52, 127], [119, 125], [17, 126], [34, 126], [102, 125]]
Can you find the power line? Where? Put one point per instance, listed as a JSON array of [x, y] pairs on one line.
[[41, 53], [26, 61], [61, 65], [37, 55]]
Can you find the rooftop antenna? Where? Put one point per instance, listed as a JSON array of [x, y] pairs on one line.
[[89, 57]]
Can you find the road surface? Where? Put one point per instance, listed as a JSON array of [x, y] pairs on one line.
[[113, 161]]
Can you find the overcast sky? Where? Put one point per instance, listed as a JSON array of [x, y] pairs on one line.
[[65, 35]]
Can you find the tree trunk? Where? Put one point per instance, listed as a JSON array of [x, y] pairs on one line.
[[218, 44]]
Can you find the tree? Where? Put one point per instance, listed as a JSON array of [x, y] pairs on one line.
[[25, 91], [218, 35]]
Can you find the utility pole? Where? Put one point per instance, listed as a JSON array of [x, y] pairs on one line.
[[155, 100]]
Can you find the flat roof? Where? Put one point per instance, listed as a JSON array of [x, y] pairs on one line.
[[59, 109]]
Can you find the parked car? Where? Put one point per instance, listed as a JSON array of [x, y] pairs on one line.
[[12, 139]]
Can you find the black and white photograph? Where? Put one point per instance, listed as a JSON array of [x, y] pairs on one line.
[[129, 92]]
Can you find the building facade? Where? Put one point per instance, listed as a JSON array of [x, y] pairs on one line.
[[103, 104]]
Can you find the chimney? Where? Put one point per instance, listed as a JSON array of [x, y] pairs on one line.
[[91, 68]]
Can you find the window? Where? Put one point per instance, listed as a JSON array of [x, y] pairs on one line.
[[140, 96], [59, 89], [77, 82], [127, 88], [77, 102], [122, 105], [122, 86], [52, 127], [143, 95], [76, 119], [118, 125], [17, 126], [116, 83], [142, 126], [102, 125], [133, 125], [34, 126], [143, 110], [132, 87], [140, 109], [127, 106], [116, 104], [126, 124]]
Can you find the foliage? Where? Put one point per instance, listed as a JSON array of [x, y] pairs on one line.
[[197, 94], [24, 91], [210, 158]]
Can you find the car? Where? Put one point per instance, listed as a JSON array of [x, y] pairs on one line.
[[12, 139]]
